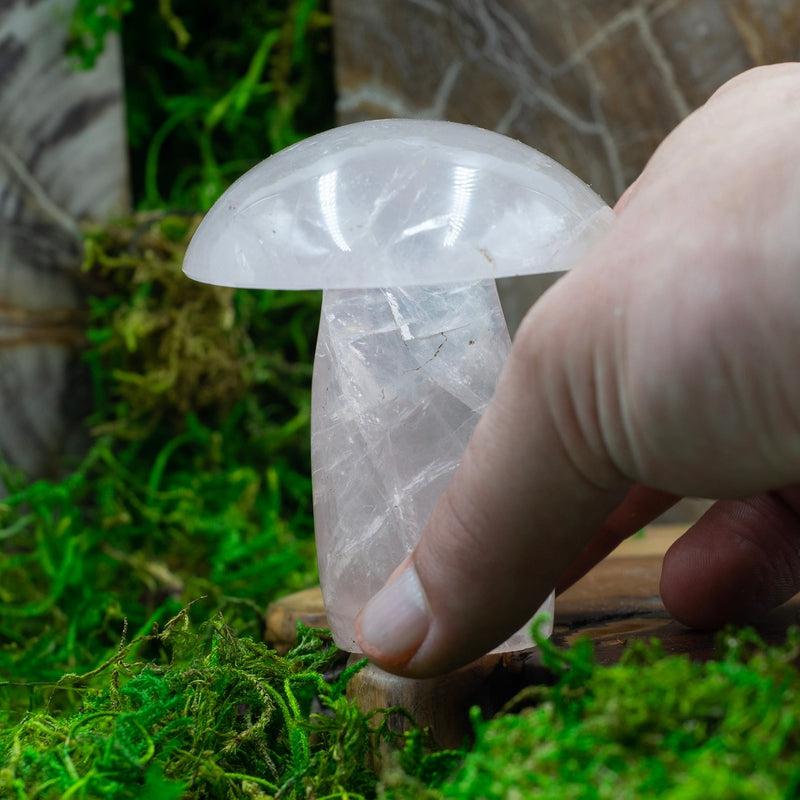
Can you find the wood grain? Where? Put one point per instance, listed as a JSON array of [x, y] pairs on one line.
[[283, 615]]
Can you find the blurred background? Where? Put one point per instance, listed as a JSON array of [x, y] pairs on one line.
[[167, 421]]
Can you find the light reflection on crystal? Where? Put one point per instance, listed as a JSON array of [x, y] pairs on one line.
[[464, 181], [396, 203], [330, 213]]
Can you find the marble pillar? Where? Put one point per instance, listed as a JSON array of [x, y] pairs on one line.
[[62, 159]]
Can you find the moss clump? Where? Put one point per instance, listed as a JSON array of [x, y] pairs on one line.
[[211, 89], [214, 88], [162, 346], [652, 725], [221, 717], [203, 713]]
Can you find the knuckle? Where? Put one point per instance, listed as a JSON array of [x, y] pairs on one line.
[[572, 372], [757, 75]]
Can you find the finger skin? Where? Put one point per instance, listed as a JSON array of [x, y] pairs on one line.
[[666, 358], [740, 560], [639, 508], [494, 548]]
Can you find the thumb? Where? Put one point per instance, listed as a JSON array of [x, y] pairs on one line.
[[494, 548]]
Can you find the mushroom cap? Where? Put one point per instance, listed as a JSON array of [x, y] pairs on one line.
[[396, 203]]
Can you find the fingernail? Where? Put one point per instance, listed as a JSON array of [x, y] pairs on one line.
[[395, 622]]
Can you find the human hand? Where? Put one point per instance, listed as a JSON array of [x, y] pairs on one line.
[[666, 363]]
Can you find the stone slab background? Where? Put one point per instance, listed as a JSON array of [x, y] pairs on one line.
[[596, 84]]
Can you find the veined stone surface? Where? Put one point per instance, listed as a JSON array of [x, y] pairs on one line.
[[62, 159], [401, 378], [595, 84], [405, 224]]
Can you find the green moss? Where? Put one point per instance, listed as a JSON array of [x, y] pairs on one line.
[[162, 346], [211, 88], [214, 88], [221, 716], [653, 725], [208, 714]]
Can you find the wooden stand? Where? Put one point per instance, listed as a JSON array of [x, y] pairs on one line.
[[283, 615], [440, 704]]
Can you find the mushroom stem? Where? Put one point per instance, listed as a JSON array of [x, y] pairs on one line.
[[401, 378]]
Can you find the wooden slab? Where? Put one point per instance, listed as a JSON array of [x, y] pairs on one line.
[[283, 615], [440, 704], [616, 603], [625, 585]]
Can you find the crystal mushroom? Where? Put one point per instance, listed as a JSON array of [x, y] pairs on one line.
[[405, 225]]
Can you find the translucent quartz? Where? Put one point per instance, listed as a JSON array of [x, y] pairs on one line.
[[401, 374], [401, 378], [396, 203]]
